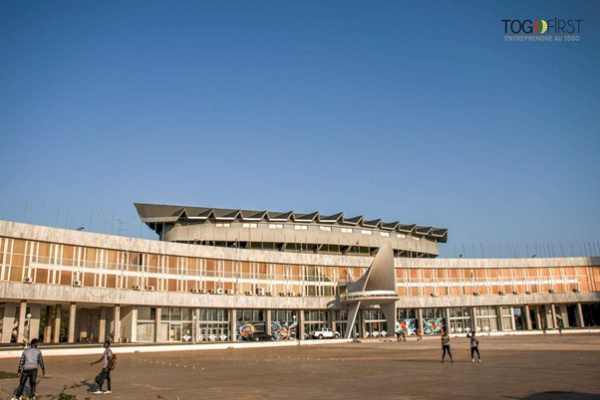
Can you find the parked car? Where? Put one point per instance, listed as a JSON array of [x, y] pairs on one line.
[[325, 333], [262, 336]]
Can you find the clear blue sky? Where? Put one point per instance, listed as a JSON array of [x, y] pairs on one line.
[[411, 111]]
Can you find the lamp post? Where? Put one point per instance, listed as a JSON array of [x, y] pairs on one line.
[[296, 327], [28, 328], [468, 319], [238, 268], [194, 329]]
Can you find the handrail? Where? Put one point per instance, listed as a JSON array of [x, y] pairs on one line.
[[369, 294]]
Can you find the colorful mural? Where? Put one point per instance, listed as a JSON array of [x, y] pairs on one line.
[[282, 330], [252, 331], [408, 326], [431, 326], [245, 331]]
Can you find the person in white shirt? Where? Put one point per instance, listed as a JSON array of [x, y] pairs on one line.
[[104, 374], [446, 346], [474, 346]]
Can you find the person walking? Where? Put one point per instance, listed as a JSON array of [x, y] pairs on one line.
[[28, 368], [474, 346], [418, 333], [560, 326], [106, 360], [446, 346], [401, 336]]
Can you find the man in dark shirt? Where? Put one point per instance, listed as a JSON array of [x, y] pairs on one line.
[[28, 367], [446, 346]]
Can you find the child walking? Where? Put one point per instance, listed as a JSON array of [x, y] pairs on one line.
[[446, 346]]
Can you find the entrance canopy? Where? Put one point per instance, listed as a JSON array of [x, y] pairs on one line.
[[376, 287]]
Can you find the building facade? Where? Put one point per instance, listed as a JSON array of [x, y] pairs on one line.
[[212, 280]]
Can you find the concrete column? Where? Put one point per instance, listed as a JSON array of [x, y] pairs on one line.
[[420, 320], [300, 324], [102, 325], [579, 316], [134, 318], [196, 324], [33, 330], [128, 322], [564, 315], [390, 314], [72, 314], [538, 318], [117, 314], [361, 324], [527, 318], [500, 320], [82, 325], [8, 319], [332, 323], [158, 323], [94, 324], [233, 325], [513, 326], [547, 317], [447, 318], [48, 327], [57, 316], [267, 322], [82, 330], [22, 318], [553, 316], [353, 310], [474, 319]]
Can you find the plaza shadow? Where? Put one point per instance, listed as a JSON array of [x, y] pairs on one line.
[[556, 395]]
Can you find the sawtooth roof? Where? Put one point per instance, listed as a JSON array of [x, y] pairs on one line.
[[153, 214]]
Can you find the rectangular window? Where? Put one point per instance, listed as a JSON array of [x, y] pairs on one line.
[[347, 230], [366, 232], [385, 234], [275, 226], [145, 331], [401, 236], [325, 228], [250, 225], [300, 227], [146, 314], [223, 224]]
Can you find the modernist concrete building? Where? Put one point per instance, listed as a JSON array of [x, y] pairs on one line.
[[226, 275]]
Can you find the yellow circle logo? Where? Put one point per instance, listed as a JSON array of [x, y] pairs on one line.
[[540, 26]]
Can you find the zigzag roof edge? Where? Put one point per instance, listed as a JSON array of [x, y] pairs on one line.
[[157, 213]]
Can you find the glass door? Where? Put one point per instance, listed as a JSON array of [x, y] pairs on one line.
[[175, 333]]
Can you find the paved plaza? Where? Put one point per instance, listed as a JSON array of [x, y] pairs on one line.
[[513, 367]]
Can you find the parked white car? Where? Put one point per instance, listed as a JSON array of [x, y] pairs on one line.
[[325, 333]]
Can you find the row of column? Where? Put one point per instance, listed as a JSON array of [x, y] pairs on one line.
[[22, 333], [232, 324], [550, 318], [544, 320], [546, 317], [52, 330]]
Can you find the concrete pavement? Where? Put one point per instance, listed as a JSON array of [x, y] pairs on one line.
[[515, 367]]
